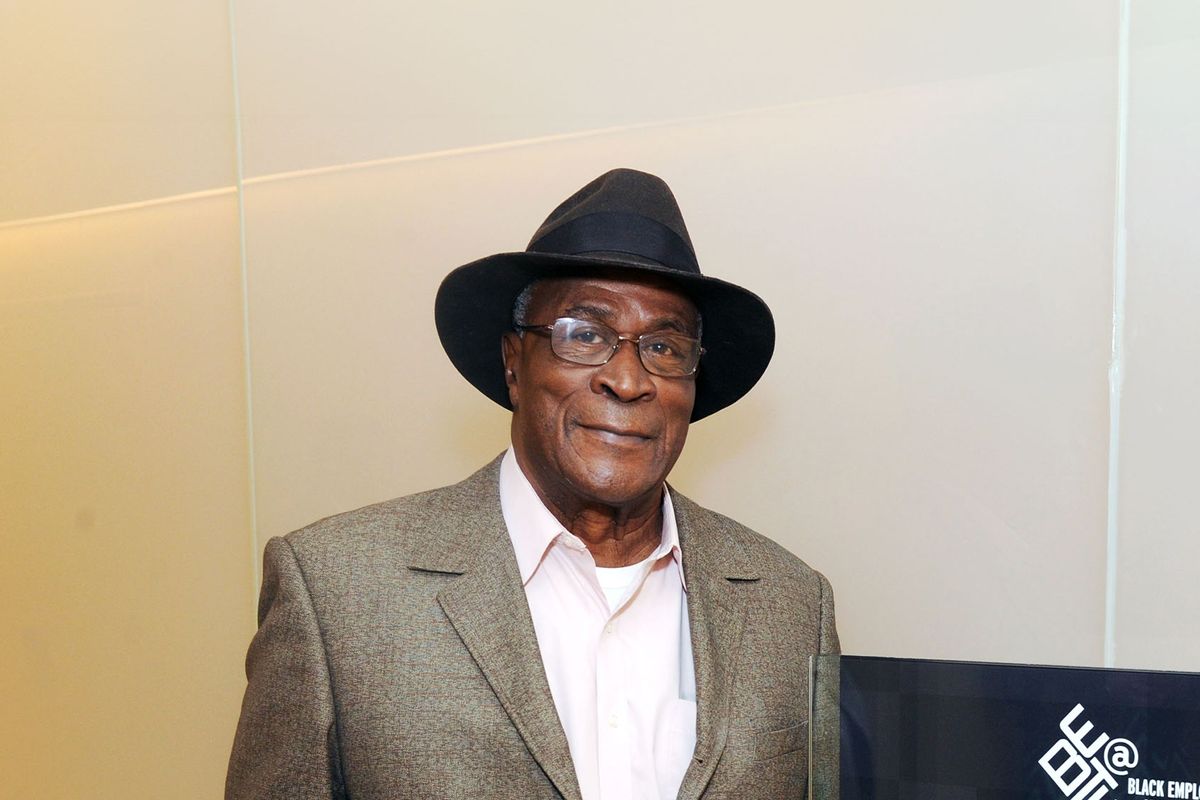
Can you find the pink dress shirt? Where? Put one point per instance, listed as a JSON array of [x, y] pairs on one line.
[[621, 675]]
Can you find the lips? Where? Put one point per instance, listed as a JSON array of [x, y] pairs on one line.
[[616, 434]]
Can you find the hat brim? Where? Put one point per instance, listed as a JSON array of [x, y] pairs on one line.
[[474, 308]]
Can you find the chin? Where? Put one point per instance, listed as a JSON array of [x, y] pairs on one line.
[[613, 486]]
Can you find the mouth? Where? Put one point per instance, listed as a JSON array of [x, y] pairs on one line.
[[616, 435]]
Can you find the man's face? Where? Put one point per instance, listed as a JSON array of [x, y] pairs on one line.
[[605, 434]]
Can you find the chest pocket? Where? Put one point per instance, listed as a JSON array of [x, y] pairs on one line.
[[779, 741], [676, 742]]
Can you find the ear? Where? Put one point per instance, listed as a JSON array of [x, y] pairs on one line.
[[510, 353]]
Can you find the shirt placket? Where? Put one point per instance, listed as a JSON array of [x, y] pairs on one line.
[[614, 734], [614, 681]]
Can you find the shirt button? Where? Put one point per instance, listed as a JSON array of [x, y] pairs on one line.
[[613, 721], [608, 628]]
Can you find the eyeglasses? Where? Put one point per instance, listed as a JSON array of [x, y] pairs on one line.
[[580, 341]]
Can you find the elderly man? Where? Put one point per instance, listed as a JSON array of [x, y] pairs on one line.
[[560, 624]]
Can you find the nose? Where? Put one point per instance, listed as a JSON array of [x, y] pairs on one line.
[[623, 377]]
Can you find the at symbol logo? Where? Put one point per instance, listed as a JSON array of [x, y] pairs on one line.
[[1120, 756]]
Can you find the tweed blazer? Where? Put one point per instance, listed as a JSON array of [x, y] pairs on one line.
[[396, 658]]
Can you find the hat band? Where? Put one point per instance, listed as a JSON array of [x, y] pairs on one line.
[[619, 232]]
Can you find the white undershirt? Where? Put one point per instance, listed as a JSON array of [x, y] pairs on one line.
[[616, 581]]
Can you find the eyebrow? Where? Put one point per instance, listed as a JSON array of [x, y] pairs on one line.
[[606, 315], [580, 311]]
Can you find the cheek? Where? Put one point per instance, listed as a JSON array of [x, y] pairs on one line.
[[679, 404], [542, 412], [674, 447]]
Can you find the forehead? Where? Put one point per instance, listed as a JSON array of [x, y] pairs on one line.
[[646, 298]]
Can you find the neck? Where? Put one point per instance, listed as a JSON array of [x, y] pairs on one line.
[[615, 538], [616, 535]]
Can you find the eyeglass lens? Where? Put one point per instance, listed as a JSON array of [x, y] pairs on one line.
[[664, 353]]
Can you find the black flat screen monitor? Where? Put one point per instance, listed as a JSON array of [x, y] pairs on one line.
[[939, 730]]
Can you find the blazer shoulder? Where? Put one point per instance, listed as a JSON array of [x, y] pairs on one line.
[[406, 521], [799, 599]]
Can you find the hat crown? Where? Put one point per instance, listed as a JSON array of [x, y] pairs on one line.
[[623, 213]]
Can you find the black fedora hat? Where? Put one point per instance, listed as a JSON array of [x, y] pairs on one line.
[[624, 222]]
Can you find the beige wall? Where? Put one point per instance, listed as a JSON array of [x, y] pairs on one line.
[[926, 194]]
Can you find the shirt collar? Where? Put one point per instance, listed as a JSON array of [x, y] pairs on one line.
[[533, 529]]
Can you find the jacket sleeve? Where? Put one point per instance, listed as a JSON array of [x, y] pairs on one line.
[[828, 644], [286, 744], [825, 758]]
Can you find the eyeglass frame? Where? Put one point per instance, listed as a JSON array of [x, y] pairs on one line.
[[548, 331]]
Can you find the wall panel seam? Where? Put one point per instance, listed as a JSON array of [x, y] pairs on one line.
[[248, 366], [1116, 369]]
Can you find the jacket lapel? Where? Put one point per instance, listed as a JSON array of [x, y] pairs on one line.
[[716, 574], [488, 610]]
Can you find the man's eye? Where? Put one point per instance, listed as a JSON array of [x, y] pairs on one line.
[[586, 336], [665, 349]]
